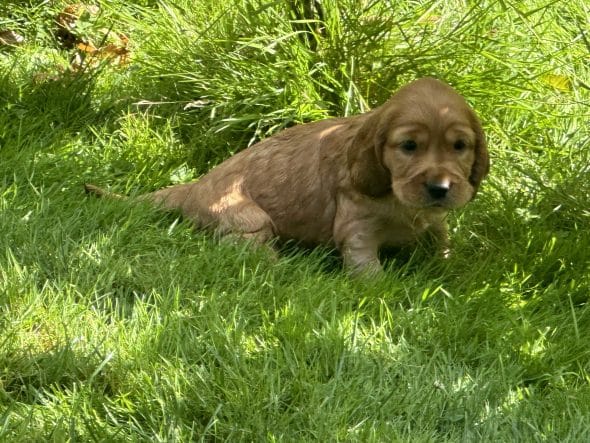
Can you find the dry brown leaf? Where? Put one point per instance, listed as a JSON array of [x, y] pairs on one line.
[[112, 46], [68, 17], [119, 54], [67, 21], [86, 47], [124, 39], [89, 55], [10, 38]]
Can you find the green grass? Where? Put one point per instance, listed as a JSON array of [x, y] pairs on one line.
[[120, 323]]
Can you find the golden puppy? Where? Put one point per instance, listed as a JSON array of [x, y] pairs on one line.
[[360, 183]]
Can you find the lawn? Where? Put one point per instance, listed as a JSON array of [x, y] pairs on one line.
[[121, 323]]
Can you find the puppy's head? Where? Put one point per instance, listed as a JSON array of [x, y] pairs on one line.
[[426, 144]]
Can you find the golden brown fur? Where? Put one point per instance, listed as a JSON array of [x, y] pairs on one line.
[[383, 178]]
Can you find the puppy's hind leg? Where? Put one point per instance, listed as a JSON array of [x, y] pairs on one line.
[[246, 220]]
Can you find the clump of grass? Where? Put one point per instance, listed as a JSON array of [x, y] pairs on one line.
[[121, 323]]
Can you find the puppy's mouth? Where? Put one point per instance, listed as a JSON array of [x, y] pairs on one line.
[[419, 199], [445, 205], [433, 195], [436, 204]]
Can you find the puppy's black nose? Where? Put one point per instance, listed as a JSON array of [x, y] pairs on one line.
[[437, 191]]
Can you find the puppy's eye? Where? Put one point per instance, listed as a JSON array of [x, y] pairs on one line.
[[409, 145], [460, 145]]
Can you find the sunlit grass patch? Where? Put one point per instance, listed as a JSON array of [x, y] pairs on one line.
[[120, 323]]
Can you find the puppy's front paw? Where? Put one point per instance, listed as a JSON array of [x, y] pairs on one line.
[[369, 269]]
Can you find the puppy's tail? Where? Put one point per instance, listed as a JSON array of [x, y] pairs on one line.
[[99, 192]]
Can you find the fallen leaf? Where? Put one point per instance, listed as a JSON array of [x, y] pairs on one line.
[[558, 81], [73, 31], [67, 22], [118, 53], [10, 38], [201, 103], [86, 47]]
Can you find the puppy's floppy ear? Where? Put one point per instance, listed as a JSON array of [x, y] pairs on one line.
[[481, 165], [368, 175]]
